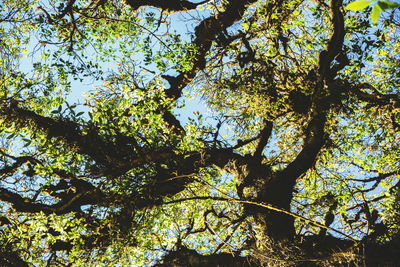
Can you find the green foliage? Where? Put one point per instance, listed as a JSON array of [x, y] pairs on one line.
[[358, 5], [101, 162], [378, 7]]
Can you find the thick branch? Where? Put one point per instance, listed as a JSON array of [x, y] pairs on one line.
[[167, 5], [205, 33], [375, 97], [67, 9], [19, 161], [173, 122], [11, 258], [279, 190], [180, 170], [187, 257], [307, 156], [85, 194], [335, 43], [264, 137], [91, 144]]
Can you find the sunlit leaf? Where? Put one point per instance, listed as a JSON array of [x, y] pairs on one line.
[[358, 5], [375, 13]]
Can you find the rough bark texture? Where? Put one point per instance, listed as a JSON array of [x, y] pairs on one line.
[[113, 156]]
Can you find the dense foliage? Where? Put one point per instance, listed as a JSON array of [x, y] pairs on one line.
[[293, 160]]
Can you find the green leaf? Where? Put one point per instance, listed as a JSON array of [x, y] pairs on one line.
[[27, 142], [376, 11], [358, 5], [11, 136], [387, 5]]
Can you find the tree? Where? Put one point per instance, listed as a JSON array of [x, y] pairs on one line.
[[296, 163]]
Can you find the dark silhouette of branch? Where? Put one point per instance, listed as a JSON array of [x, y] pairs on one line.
[[167, 5], [264, 137], [335, 43], [85, 193], [205, 33]]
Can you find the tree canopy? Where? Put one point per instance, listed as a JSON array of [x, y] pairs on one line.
[[292, 161]]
